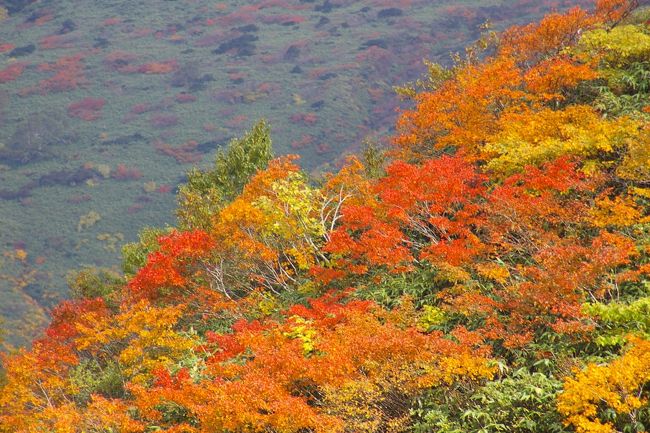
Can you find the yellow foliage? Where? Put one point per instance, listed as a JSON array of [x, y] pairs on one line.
[[275, 225], [37, 379], [620, 45], [620, 212], [152, 340], [617, 385], [303, 332], [20, 254], [451, 274], [149, 186], [464, 366], [361, 404], [636, 163], [431, 316], [533, 138], [493, 271], [88, 220]]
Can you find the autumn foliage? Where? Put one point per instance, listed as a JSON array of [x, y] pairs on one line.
[[12, 72], [87, 109], [488, 273]]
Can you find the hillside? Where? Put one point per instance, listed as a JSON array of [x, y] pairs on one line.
[[104, 106], [486, 273]]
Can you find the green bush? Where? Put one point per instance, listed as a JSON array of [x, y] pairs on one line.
[[521, 402]]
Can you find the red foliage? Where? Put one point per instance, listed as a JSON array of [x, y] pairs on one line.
[[305, 140], [184, 98], [209, 127], [237, 76], [44, 18], [169, 270], [124, 62], [134, 208], [323, 148], [112, 21], [12, 72], [304, 118], [140, 33], [6, 47], [183, 154], [158, 67], [87, 109], [122, 172], [80, 198], [53, 42], [141, 108], [163, 120], [68, 74], [236, 121], [67, 314], [164, 189], [438, 200]]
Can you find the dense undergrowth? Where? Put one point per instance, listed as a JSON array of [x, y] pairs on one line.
[[488, 273]]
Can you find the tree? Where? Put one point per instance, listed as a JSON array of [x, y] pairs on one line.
[[207, 191]]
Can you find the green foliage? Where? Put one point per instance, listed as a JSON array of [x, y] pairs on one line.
[[625, 91], [207, 191], [618, 319], [92, 378], [93, 283], [420, 285], [521, 402], [374, 159], [134, 254], [436, 75], [625, 69]]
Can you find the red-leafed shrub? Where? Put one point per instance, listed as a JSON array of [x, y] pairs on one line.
[[184, 98], [304, 141], [122, 172], [68, 75], [157, 67], [140, 108], [185, 153], [112, 21], [236, 121], [54, 42], [87, 109], [11, 72], [6, 47], [305, 118], [163, 120]]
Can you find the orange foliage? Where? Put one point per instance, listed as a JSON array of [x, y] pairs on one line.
[[287, 371], [68, 74]]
